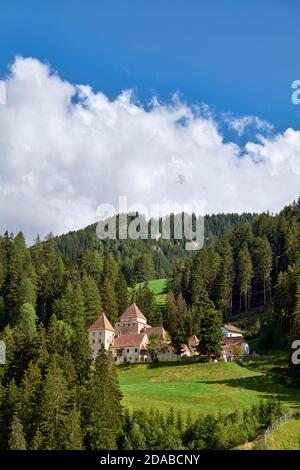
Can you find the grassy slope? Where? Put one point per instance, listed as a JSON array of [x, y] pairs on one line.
[[286, 436], [199, 388], [159, 289]]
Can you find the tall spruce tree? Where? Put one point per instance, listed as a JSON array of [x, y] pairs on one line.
[[244, 276], [210, 334], [17, 439], [103, 405], [54, 408], [92, 300]]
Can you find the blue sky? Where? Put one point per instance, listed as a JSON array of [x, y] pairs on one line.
[[66, 149], [237, 56]]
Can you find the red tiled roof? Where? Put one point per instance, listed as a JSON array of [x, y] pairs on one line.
[[231, 342], [102, 323], [231, 328], [156, 330], [128, 341], [133, 312]]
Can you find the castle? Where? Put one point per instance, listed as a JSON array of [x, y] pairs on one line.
[[128, 339]]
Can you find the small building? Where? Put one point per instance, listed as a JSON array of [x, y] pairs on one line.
[[130, 348], [156, 330], [231, 331], [101, 333], [230, 346]]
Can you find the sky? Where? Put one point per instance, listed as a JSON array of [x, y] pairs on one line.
[[162, 101]]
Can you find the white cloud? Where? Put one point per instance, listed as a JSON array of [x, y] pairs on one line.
[[247, 122], [65, 149]]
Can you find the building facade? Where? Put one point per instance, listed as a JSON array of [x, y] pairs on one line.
[[128, 339], [101, 334]]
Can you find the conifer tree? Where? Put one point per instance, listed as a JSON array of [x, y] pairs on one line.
[[145, 300], [54, 407], [17, 439], [244, 275], [122, 293], [27, 293], [262, 253], [103, 406], [72, 439], [210, 334], [92, 301], [27, 320], [109, 301], [30, 399]]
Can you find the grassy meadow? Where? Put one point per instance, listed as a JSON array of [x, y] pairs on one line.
[[200, 388], [286, 436]]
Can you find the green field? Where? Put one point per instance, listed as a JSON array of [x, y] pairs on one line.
[[199, 388], [159, 289], [286, 436]]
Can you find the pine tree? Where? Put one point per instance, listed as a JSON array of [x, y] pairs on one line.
[[135, 439], [27, 293], [18, 262], [210, 334], [64, 307], [81, 352], [262, 253], [17, 439], [171, 313], [110, 269], [177, 315], [27, 320], [122, 293], [244, 275], [54, 405], [109, 301], [92, 301], [91, 263], [145, 299], [30, 398], [72, 439], [103, 407], [224, 280]]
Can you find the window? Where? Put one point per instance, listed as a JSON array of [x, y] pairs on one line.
[[128, 324], [93, 341], [128, 350], [135, 350]]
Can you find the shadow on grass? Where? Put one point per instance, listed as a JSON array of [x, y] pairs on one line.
[[266, 385], [155, 365]]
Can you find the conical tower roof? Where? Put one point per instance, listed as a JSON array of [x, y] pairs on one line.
[[102, 323], [133, 313]]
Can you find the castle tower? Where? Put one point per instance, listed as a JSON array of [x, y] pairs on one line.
[[101, 333], [131, 322]]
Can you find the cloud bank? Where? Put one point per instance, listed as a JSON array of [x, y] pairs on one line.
[[65, 149]]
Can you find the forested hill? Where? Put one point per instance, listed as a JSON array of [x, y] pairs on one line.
[[254, 266], [164, 252]]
